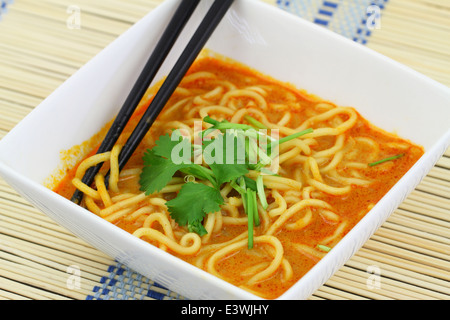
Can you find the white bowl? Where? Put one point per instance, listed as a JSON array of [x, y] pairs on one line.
[[265, 38]]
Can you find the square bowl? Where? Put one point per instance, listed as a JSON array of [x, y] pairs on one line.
[[285, 47]]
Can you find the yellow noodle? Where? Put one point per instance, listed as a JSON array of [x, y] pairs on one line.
[[243, 93], [130, 172], [234, 201], [209, 224], [288, 272], [356, 165], [196, 76], [300, 223], [330, 215], [348, 180], [91, 162], [184, 128], [309, 251], [218, 222], [323, 106], [294, 193], [299, 142], [258, 89], [210, 110], [314, 167], [264, 218], [337, 234], [267, 272], [138, 213], [326, 115], [181, 248], [182, 91], [239, 115], [176, 106], [86, 189], [293, 210], [171, 188], [91, 205], [102, 190], [235, 221], [232, 210], [156, 201], [397, 145], [115, 216], [291, 199], [331, 151], [123, 204], [122, 196], [114, 168], [281, 183], [337, 158], [286, 156], [206, 249], [284, 120], [163, 221], [226, 190], [337, 191], [281, 204], [215, 93], [199, 100], [254, 269]]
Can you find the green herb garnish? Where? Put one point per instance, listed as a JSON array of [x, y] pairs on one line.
[[193, 202], [194, 199], [290, 137], [255, 123], [227, 156], [261, 194], [386, 159], [250, 210], [323, 248]]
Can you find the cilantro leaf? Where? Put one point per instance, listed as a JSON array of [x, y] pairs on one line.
[[170, 147], [228, 172], [157, 172], [224, 156], [192, 203], [164, 160]]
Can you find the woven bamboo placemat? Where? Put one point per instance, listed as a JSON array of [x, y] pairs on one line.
[[43, 42]]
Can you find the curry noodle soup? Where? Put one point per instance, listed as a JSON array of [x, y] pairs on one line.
[[256, 226]]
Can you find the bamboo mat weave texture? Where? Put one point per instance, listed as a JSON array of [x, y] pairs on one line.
[[43, 42]]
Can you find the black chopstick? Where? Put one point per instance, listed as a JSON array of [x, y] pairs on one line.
[[163, 47], [190, 53], [193, 48]]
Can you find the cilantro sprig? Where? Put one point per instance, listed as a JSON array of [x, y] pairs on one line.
[[191, 213], [227, 156]]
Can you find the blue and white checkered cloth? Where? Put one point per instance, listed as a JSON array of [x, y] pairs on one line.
[[4, 7], [122, 283], [354, 19]]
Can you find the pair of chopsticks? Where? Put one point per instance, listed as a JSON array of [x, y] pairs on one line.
[[171, 33]]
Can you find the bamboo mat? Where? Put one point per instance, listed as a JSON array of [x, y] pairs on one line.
[[43, 42]]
